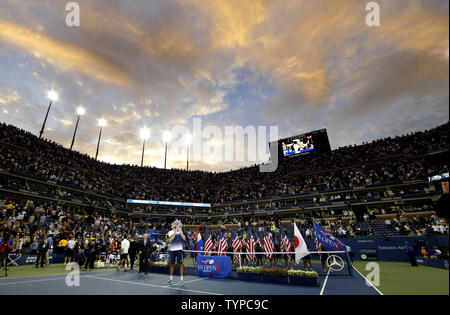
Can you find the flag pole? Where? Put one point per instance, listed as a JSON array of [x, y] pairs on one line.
[[240, 257], [317, 241]]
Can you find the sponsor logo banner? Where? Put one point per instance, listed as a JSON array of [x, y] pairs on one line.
[[214, 266]]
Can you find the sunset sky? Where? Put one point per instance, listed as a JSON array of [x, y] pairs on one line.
[[300, 65]]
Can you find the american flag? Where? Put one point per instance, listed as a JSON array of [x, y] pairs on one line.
[[258, 242], [286, 245], [237, 244], [222, 245], [244, 245], [208, 245], [268, 246], [251, 246]]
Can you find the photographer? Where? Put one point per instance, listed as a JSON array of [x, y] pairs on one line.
[[80, 257], [5, 248], [176, 237]]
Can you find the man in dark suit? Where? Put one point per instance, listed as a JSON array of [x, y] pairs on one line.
[[42, 251], [132, 251], [144, 247]]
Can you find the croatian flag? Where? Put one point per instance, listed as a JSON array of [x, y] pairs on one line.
[[329, 242], [199, 244]]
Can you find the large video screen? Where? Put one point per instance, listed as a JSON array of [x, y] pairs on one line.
[[298, 145], [308, 143]]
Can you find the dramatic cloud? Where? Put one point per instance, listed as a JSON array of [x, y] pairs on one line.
[[300, 65]]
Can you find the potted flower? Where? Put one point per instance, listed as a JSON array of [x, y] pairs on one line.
[[150, 266], [302, 277], [245, 273], [274, 275], [160, 267]]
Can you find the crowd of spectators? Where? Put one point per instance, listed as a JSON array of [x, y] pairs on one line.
[[387, 160], [381, 161], [28, 223], [86, 233]]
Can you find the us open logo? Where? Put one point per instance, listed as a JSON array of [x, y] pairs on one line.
[[209, 266], [329, 240]]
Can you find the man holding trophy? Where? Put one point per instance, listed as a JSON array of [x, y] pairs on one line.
[[176, 237]]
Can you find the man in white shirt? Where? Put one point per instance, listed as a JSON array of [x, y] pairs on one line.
[[437, 252], [20, 216], [124, 246], [176, 237], [297, 147], [435, 228], [70, 250]]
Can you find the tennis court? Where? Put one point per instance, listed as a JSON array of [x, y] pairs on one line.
[[112, 282]]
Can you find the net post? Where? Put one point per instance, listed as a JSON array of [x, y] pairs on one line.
[[349, 264]]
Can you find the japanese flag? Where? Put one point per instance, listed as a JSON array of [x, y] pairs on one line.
[[301, 250]]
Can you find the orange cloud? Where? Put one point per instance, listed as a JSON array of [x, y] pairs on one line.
[[65, 56], [233, 20]]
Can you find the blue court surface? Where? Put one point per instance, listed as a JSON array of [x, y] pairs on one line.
[[113, 282]]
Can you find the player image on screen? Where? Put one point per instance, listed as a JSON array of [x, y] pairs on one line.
[[298, 146]]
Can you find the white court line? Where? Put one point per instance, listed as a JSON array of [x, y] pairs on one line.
[[40, 280], [325, 282], [367, 281], [196, 280], [30, 281], [157, 286]]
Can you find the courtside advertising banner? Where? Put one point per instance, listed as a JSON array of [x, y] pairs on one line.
[[15, 259], [214, 266]]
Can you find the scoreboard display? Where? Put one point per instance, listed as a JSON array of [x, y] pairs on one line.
[[308, 143]]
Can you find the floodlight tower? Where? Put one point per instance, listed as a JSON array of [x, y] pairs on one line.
[[166, 139], [144, 134], [102, 123], [80, 111], [53, 96], [188, 141]]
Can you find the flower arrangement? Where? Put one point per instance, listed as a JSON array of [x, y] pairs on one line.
[[302, 273], [245, 269], [163, 264], [274, 271], [160, 264]]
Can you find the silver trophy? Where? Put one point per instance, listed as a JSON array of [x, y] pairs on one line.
[[178, 224]]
